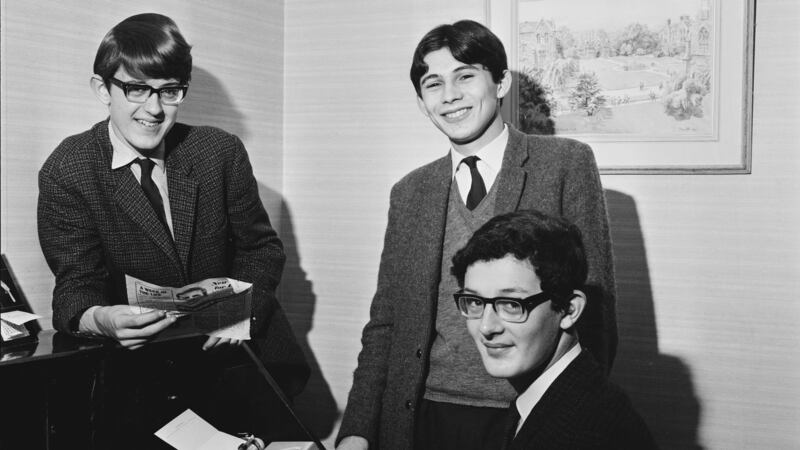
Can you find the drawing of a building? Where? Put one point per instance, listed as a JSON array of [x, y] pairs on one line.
[[689, 37], [537, 43]]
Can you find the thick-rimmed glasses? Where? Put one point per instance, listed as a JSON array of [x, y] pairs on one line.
[[139, 93], [509, 309]]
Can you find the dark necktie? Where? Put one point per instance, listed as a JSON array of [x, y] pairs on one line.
[[478, 190], [151, 191], [512, 420]]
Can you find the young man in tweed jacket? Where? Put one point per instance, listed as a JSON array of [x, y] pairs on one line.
[[96, 223], [419, 381]]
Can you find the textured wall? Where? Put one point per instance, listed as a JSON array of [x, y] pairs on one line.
[[707, 265]]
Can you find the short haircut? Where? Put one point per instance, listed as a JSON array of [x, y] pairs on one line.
[[552, 245], [468, 41], [146, 45]]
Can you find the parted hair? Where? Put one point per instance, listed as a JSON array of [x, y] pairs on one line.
[[551, 244], [146, 45], [468, 41]]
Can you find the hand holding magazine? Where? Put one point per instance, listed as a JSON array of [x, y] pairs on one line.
[[218, 307]]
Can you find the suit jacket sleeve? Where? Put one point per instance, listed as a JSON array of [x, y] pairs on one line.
[[584, 204], [257, 256], [362, 414], [72, 247], [256, 251]]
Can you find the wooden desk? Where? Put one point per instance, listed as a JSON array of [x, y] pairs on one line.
[[69, 393]]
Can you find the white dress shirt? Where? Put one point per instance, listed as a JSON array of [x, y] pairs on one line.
[[491, 159], [528, 400], [124, 155]]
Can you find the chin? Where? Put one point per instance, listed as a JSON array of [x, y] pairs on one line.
[[500, 370]]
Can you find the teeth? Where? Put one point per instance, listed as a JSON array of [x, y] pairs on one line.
[[456, 114], [148, 124]]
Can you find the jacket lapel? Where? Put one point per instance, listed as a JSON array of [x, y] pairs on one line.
[[130, 198], [560, 401], [431, 196], [182, 199], [512, 175]]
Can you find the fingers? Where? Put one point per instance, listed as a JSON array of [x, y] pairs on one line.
[[133, 344], [211, 342], [134, 320], [216, 342], [149, 330]]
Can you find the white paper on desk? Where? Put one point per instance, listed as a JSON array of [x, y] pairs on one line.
[[18, 317], [189, 431], [12, 324], [218, 307]]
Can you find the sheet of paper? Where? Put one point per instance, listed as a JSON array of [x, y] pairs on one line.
[[189, 431], [18, 317], [11, 331]]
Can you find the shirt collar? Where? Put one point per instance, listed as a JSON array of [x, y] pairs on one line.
[[123, 154], [528, 400], [491, 153]]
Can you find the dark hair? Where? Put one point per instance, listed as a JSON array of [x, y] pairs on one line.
[[146, 45], [468, 41], [552, 245]]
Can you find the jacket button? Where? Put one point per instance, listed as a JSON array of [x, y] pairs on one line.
[[419, 353], [408, 404]]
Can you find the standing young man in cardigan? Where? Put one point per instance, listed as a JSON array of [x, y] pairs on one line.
[[420, 382]]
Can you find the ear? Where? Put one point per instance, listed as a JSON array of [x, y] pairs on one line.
[[574, 310], [100, 89], [504, 86], [421, 106]]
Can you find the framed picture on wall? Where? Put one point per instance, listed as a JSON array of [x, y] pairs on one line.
[[652, 86]]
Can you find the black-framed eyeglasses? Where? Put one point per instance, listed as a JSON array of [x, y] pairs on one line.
[[139, 93], [515, 310]]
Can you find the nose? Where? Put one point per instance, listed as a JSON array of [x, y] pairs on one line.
[[153, 105], [491, 324], [451, 92]]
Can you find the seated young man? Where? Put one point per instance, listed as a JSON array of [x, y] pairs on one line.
[[529, 267]]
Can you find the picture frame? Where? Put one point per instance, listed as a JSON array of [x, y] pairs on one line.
[[654, 87]]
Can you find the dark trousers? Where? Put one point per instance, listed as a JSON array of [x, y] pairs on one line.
[[447, 426]]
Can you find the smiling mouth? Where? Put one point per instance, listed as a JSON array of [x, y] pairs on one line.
[[456, 114], [494, 346], [147, 124]]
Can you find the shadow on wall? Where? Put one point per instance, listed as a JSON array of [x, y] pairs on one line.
[[659, 385], [208, 103], [315, 406]]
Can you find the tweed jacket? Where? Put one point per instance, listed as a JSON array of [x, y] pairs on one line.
[[582, 410], [555, 175], [95, 225]]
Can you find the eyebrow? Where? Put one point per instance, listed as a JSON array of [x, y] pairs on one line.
[[503, 292], [456, 70]]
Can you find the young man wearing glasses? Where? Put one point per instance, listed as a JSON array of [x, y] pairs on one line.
[[142, 195], [521, 276], [419, 381]]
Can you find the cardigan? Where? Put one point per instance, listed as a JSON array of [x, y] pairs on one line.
[[556, 175]]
